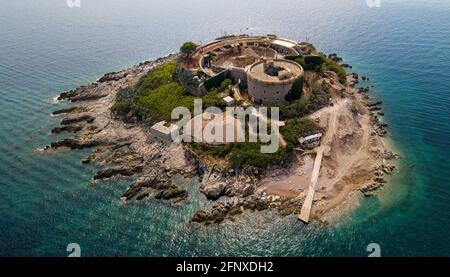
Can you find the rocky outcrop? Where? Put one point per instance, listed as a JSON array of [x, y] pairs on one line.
[[370, 189], [213, 190], [74, 143], [67, 128], [379, 128], [231, 207], [364, 89], [82, 92], [160, 187], [118, 170], [67, 110], [373, 103], [335, 57], [71, 120], [113, 76]]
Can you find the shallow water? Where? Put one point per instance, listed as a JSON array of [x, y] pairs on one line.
[[48, 200]]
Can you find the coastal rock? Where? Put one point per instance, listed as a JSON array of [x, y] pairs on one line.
[[77, 92], [74, 143], [364, 90], [88, 97], [119, 170], [66, 110], [72, 120], [372, 109], [374, 103], [213, 190], [370, 189], [389, 155], [161, 187], [201, 216], [113, 76], [334, 57], [174, 192], [68, 128]]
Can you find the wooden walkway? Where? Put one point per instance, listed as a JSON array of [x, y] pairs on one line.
[[307, 205]]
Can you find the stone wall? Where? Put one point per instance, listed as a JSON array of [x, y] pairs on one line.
[[268, 93]]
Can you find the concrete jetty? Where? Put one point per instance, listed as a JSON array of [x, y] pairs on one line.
[[306, 208]]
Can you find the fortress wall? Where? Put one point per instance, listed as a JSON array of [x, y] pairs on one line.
[[237, 74], [283, 50], [268, 93]]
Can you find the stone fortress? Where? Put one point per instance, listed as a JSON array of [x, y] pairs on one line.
[[259, 66]]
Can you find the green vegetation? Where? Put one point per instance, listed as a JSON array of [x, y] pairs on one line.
[[154, 96], [213, 99], [225, 85], [320, 64], [297, 127], [313, 62], [331, 65], [304, 106], [188, 48], [216, 81], [158, 93], [160, 102], [162, 74], [296, 90], [243, 154]]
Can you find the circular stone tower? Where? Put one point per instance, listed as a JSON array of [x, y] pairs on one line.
[[269, 81]]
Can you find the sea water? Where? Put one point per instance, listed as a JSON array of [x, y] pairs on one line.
[[49, 200]]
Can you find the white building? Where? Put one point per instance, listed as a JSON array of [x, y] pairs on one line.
[[228, 100], [310, 139], [162, 131]]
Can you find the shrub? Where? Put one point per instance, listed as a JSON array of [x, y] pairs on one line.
[[211, 99], [159, 103], [314, 62], [225, 85], [243, 154], [296, 90], [331, 65], [162, 74], [299, 108], [249, 154]]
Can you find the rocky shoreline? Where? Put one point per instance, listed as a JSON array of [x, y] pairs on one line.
[[126, 149]]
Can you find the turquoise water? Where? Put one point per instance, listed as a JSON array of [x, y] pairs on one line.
[[48, 200]]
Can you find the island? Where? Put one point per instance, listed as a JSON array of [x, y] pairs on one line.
[[330, 131]]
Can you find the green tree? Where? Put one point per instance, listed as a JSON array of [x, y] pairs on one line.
[[188, 48]]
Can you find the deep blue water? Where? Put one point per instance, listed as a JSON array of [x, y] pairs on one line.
[[48, 200]]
